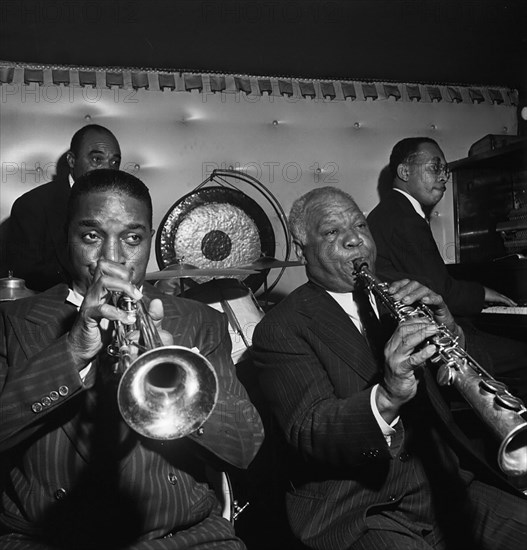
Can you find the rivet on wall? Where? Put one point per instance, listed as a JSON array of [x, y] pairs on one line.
[[275, 122], [87, 118], [137, 167], [433, 127], [356, 125]]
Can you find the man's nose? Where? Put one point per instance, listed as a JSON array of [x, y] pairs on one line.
[[113, 251], [106, 163], [352, 238]]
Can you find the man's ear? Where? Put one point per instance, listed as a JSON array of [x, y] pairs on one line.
[[70, 158], [299, 251], [403, 171]]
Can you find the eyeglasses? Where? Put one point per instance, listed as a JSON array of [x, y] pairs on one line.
[[436, 168]]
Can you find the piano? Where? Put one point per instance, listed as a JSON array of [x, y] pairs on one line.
[[508, 276], [510, 322], [505, 310]]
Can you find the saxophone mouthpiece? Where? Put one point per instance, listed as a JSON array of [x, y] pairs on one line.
[[359, 263]]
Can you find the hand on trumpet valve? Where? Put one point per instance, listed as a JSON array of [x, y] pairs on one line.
[[103, 281], [156, 313]]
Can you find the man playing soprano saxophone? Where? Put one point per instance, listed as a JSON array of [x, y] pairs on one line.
[[377, 461]]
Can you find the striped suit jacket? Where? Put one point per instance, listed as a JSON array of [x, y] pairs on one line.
[[75, 475], [316, 372]]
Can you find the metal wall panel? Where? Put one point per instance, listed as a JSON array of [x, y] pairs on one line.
[[173, 137]]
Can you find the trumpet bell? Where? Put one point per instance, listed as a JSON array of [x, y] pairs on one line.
[[167, 392]]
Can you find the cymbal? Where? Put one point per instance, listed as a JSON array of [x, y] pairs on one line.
[[176, 271], [266, 262]]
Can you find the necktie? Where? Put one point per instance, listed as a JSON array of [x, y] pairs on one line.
[[371, 326]]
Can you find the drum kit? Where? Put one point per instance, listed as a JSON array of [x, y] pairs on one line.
[[226, 294], [183, 270]]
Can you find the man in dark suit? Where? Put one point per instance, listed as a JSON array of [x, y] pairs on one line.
[[399, 225], [36, 238], [376, 460], [406, 248], [74, 475]]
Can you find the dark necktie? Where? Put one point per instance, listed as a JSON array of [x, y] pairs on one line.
[[371, 326]]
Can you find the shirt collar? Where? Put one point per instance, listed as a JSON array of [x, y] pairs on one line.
[[346, 301], [74, 297], [415, 203], [71, 180]]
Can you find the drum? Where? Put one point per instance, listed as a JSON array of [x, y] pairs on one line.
[[237, 302]]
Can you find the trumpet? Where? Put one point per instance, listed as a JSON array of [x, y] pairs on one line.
[[502, 412], [166, 392]]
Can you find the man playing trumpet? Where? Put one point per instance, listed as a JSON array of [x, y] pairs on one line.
[[75, 475], [376, 460]]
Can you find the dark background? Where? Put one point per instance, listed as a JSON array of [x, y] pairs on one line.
[[458, 42]]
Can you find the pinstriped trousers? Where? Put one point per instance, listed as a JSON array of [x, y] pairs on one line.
[[493, 520]]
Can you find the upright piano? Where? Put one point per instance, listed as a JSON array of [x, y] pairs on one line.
[[508, 276], [490, 216]]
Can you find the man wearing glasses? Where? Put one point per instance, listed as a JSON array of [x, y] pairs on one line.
[[399, 224], [406, 249]]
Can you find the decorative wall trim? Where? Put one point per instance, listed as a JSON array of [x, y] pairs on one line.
[[295, 88]]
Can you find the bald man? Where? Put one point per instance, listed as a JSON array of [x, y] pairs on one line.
[[36, 238]]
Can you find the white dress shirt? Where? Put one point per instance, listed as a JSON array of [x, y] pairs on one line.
[[414, 202]]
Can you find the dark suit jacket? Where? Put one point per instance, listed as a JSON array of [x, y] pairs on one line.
[[36, 238], [406, 248], [316, 372], [61, 482]]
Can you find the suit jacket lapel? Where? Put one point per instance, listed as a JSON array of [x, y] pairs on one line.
[[47, 319], [338, 332], [44, 322]]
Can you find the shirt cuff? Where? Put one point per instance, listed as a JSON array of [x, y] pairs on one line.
[[387, 429]]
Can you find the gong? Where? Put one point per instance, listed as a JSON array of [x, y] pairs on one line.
[[216, 228]]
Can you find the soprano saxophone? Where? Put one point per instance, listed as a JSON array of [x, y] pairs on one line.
[[504, 414]]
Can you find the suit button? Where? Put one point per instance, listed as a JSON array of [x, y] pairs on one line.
[[392, 498], [404, 457], [46, 401], [172, 478], [54, 395], [60, 494], [200, 431], [36, 407], [64, 390]]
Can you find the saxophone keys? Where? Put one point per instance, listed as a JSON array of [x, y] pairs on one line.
[[508, 401], [445, 375], [492, 386]]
